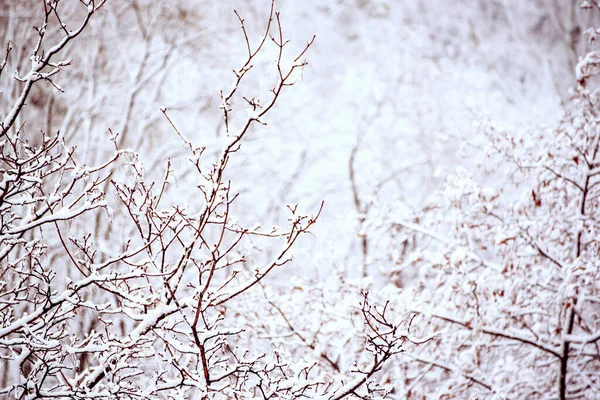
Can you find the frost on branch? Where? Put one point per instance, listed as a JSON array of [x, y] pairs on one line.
[[588, 66], [170, 298]]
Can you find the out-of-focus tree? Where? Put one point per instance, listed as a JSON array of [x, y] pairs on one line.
[[503, 263]]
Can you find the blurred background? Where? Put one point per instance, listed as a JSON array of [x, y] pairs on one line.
[[389, 104]]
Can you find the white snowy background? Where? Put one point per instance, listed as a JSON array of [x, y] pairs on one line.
[[438, 134]]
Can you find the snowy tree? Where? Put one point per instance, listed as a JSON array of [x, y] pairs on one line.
[[503, 264], [114, 286]]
